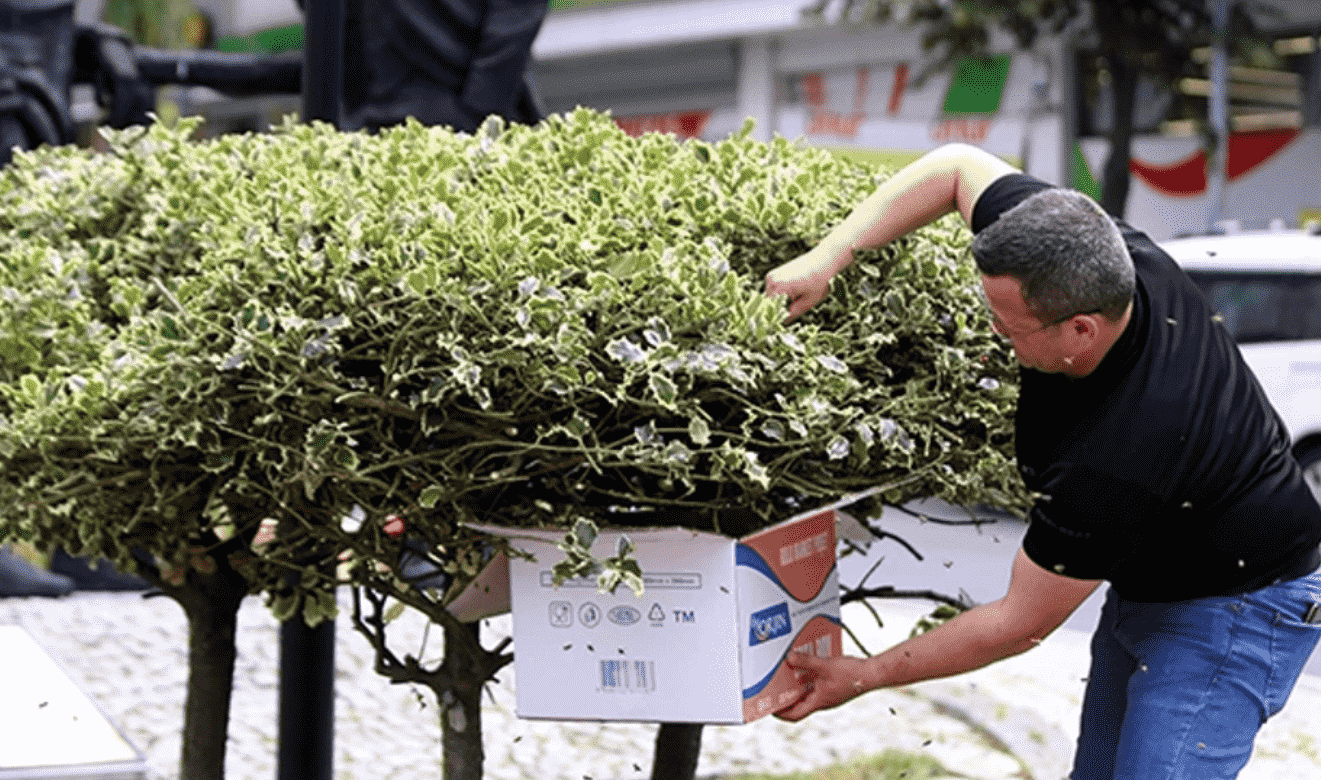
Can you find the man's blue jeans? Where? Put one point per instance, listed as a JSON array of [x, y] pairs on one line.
[[1178, 691]]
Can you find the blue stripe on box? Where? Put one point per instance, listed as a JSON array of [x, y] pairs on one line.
[[746, 556]]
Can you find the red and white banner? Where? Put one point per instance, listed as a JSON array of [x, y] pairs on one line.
[[1187, 176], [685, 124]]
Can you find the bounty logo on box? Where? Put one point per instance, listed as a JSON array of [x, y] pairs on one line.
[[769, 624]]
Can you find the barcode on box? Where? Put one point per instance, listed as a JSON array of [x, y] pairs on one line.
[[628, 675]]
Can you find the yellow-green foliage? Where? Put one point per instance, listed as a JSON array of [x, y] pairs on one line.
[[525, 326]]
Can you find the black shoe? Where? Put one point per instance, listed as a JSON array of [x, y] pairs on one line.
[[103, 577], [20, 578]]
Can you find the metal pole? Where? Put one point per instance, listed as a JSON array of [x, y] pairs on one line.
[[307, 655], [756, 85], [307, 701], [678, 746], [1312, 100], [1218, 113]]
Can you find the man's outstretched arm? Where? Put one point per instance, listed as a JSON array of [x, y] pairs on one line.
[[1037, 602], [951, 177]]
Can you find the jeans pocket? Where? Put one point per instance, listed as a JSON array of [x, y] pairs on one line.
[[1293, 638], [1289, 601]]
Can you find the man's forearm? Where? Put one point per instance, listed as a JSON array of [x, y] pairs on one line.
[[925, 194], [970, 641], [949, 178]]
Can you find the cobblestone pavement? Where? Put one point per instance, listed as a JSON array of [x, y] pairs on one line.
[[1014, 719]]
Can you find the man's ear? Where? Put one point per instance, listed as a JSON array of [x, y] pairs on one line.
[[1085, 327]]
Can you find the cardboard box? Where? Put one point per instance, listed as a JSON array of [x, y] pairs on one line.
[[705, 643]]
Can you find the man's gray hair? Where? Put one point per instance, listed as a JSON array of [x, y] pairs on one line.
[[1065, 251]]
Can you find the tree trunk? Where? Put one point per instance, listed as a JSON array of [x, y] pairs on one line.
[[461, 705], [678, 746], [211, 602], [1123, 85], [457, 682]]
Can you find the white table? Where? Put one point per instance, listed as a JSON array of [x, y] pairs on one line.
[[49, 728]]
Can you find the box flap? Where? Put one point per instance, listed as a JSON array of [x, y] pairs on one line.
[[485, 595], [849, 529]]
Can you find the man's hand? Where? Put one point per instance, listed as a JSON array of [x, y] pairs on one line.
[[953, 176], [830, 683], [805, 280]]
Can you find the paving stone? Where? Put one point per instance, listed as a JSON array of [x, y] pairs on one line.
[[130, 654]]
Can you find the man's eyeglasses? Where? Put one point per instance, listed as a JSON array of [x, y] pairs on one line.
[[1003, 330]]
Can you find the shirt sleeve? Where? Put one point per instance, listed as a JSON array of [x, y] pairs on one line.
[[1002, 195], [1088, 521]]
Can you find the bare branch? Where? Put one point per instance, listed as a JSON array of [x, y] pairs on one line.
[[961, 602]]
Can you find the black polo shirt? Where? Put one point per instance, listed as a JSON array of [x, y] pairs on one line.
[[1165, 471]]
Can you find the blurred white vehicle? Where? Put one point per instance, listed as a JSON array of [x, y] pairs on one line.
[[1267, 286]]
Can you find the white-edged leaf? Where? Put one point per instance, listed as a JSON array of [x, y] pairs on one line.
[[625, 351], [832, 363]]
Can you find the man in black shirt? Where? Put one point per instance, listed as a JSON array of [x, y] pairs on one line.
[[1162, 469]]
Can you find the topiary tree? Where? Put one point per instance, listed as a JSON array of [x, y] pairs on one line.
[[251, 359]]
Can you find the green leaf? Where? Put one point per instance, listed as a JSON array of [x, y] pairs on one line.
[[284, 606], [346, 458], [663, 390], [430, 495], [578, 428], [319, 606], [584, 533], [170, 328], [699, 431]]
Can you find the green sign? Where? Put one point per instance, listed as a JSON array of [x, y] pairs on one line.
[[271, 41], [978, 85]]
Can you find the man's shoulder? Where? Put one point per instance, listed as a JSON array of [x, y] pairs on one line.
[[1002, 195], [1147, 255]]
